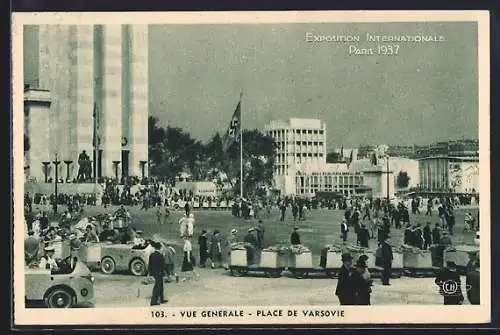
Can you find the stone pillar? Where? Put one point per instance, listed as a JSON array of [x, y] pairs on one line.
[[138, 96], [37, 107], [111, 97], [68, 170], [82, 86]]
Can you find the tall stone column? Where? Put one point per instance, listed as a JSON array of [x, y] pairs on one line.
[[111, 98], [37, 107], [138, 81], [82, 94]]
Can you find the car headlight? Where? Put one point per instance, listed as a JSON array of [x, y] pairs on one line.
[[90, 278]]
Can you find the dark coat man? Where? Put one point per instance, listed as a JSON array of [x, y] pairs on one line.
[[387, 258], [473, 285], [283, 211], [449, 284], [295, 211], [260, 234], [407, 235], [250, 239], [363, 236], [156, 269], [203, 243], [361, 287], [436, 234], [295, 237], [344, 290], [382, 233], [427, 235], [187, 209], [44, 221]]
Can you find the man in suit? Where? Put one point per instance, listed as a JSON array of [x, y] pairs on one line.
[[295, 237], [436, 234], [427, 235], [387, 258], [156, 269], [473, 284], [449, 284], [344, 290]]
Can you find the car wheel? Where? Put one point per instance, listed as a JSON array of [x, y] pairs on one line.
[[59, 298], [138, 267], [108, 265]]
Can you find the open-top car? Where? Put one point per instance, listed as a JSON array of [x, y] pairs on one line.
[[112, 257], [70, 285]]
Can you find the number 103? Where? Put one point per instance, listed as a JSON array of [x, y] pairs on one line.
[[388, 50]]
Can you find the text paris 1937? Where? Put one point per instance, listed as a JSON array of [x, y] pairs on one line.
[[380, 49]]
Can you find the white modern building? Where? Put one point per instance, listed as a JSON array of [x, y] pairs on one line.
[[80, 76], [301, 167]]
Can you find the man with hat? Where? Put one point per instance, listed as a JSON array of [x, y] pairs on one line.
[[344, 290], [156, 269], [295, 237], [387, 258], [436, 234], [203, 245], [252, 244], [47, 261], [361, 284], [450, 287], [216, 249]]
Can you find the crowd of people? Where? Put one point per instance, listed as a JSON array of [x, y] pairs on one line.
[[368, 219]]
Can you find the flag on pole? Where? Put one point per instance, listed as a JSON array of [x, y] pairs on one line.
[[234, 128], [96, 138]]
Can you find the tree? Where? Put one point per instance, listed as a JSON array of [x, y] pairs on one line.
[[172, 151], [403, 179], [258, 162]]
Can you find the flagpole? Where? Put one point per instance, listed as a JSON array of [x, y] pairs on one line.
[[241, 148]]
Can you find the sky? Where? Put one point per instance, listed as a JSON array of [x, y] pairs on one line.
[[426, 93]]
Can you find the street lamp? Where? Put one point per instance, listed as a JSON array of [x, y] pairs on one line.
[[56, 162]]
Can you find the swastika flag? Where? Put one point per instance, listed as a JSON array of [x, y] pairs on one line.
[[233, 130]]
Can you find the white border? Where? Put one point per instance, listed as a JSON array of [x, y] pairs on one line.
[[353, 315]]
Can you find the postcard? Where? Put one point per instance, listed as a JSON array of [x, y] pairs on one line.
[[251, 168]]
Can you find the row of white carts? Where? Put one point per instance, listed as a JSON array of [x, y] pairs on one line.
[[298, 260]]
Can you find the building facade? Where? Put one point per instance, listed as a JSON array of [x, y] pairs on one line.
[[298, 141], [97, 80], [301, 168], [449, 174], [327, 178]]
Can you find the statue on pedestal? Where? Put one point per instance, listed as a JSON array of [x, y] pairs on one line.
[[84, 167]]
